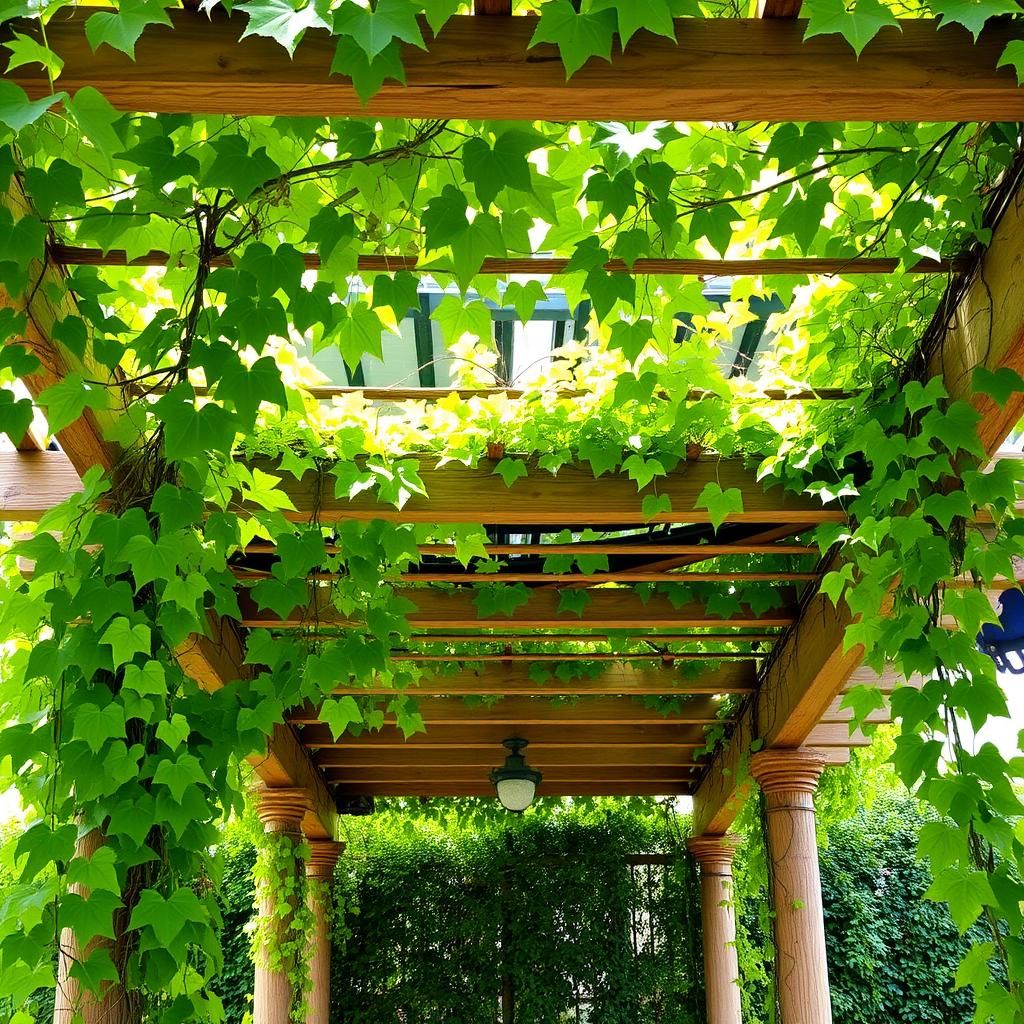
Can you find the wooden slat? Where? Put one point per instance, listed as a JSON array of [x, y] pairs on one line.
[[618, 608], [32, 483], [614, 576], [515, 680], [667, 639], [845, 266], [443, 776], [464, 494], [832, 734], [485, 789], [334, 761], [530, 657], [470, 736], [529, 711], [639, 550], [778, 8], [718, 70]]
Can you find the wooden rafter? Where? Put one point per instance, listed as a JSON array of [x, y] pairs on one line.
[[515, 680], [844, 266], [483, 788], [531, 711], [619, 608], [717, 70], [812, 665]]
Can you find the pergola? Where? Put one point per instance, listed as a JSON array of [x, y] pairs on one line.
[[784, 669]]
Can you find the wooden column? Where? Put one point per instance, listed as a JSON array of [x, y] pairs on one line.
[[281, 811], [323, 856], [70, 1001], [718, 920], [788, 779]]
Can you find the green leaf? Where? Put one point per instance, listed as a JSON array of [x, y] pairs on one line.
[[367, 75], [444, 218], [492, 169], [17, 110], [653, 15], [178, 775], [972, 14], [42, 847], [858, 24], [574, 601], [26, 50], [126, 640], [510, 470], [236, 169], [578, 36], [90, 918], [631, 338], [375, 28], [998, 385], [281, 21], [167, 916], [500, 599], [339, 714], [720, 504], [96, 725], [359, 334], [655, 505], [122, 29], [95, 118], [97, 871], [966, 892], [1013, 56]]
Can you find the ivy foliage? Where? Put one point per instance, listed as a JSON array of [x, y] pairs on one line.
[[197, 374]]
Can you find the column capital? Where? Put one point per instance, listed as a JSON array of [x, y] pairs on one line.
[[790, 771], [323, 855], [714, 853], [282, 809]]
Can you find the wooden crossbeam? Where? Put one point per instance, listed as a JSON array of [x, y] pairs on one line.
[[486, 790], [715, 70], [985, 327], [611, 576], [471, 774], [608, 608], [468, 736], [460, 494], [464, 494], [515, 680], [531, 657], [661, 639], [334, 762], [529, 711], [844, 266]]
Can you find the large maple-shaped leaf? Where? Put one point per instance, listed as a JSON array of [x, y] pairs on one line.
[[858, 24], [282, 21]]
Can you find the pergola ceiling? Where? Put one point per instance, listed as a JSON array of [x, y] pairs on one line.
[[777, 670]]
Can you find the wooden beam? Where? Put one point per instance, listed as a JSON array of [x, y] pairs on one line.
[[32, 483], [216, 660], [485, 789], [444, 776], [530, 711], [532, 657], [49, 301], [640, 549], [630, 680], [609, 608], [612, 576], [590, 638], [475, 494], [720, 69], [843, 266], [681, 738], [335, 761], [984, 326]]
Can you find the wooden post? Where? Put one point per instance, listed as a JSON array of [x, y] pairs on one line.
[[788, 779], [718, 918], [323, 856], [70, 1002], [281, 811]]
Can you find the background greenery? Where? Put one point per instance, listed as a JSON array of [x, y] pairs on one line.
[[423, 900]]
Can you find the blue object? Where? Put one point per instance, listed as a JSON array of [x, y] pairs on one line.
[[1004, 643]]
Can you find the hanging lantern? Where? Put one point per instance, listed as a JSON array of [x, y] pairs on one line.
[[515, 781], [1004, 643]]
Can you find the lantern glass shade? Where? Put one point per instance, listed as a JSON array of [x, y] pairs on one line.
[[1004, 643], [516, 794], [515, 781]]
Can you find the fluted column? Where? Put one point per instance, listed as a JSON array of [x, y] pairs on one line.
[[714, 854], [788, 779], [281, 811], [323, 856]]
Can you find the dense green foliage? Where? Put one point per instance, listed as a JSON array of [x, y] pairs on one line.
[[422, 907], [187, 368]]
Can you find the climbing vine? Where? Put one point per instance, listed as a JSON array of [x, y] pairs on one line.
[[196, 375]]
